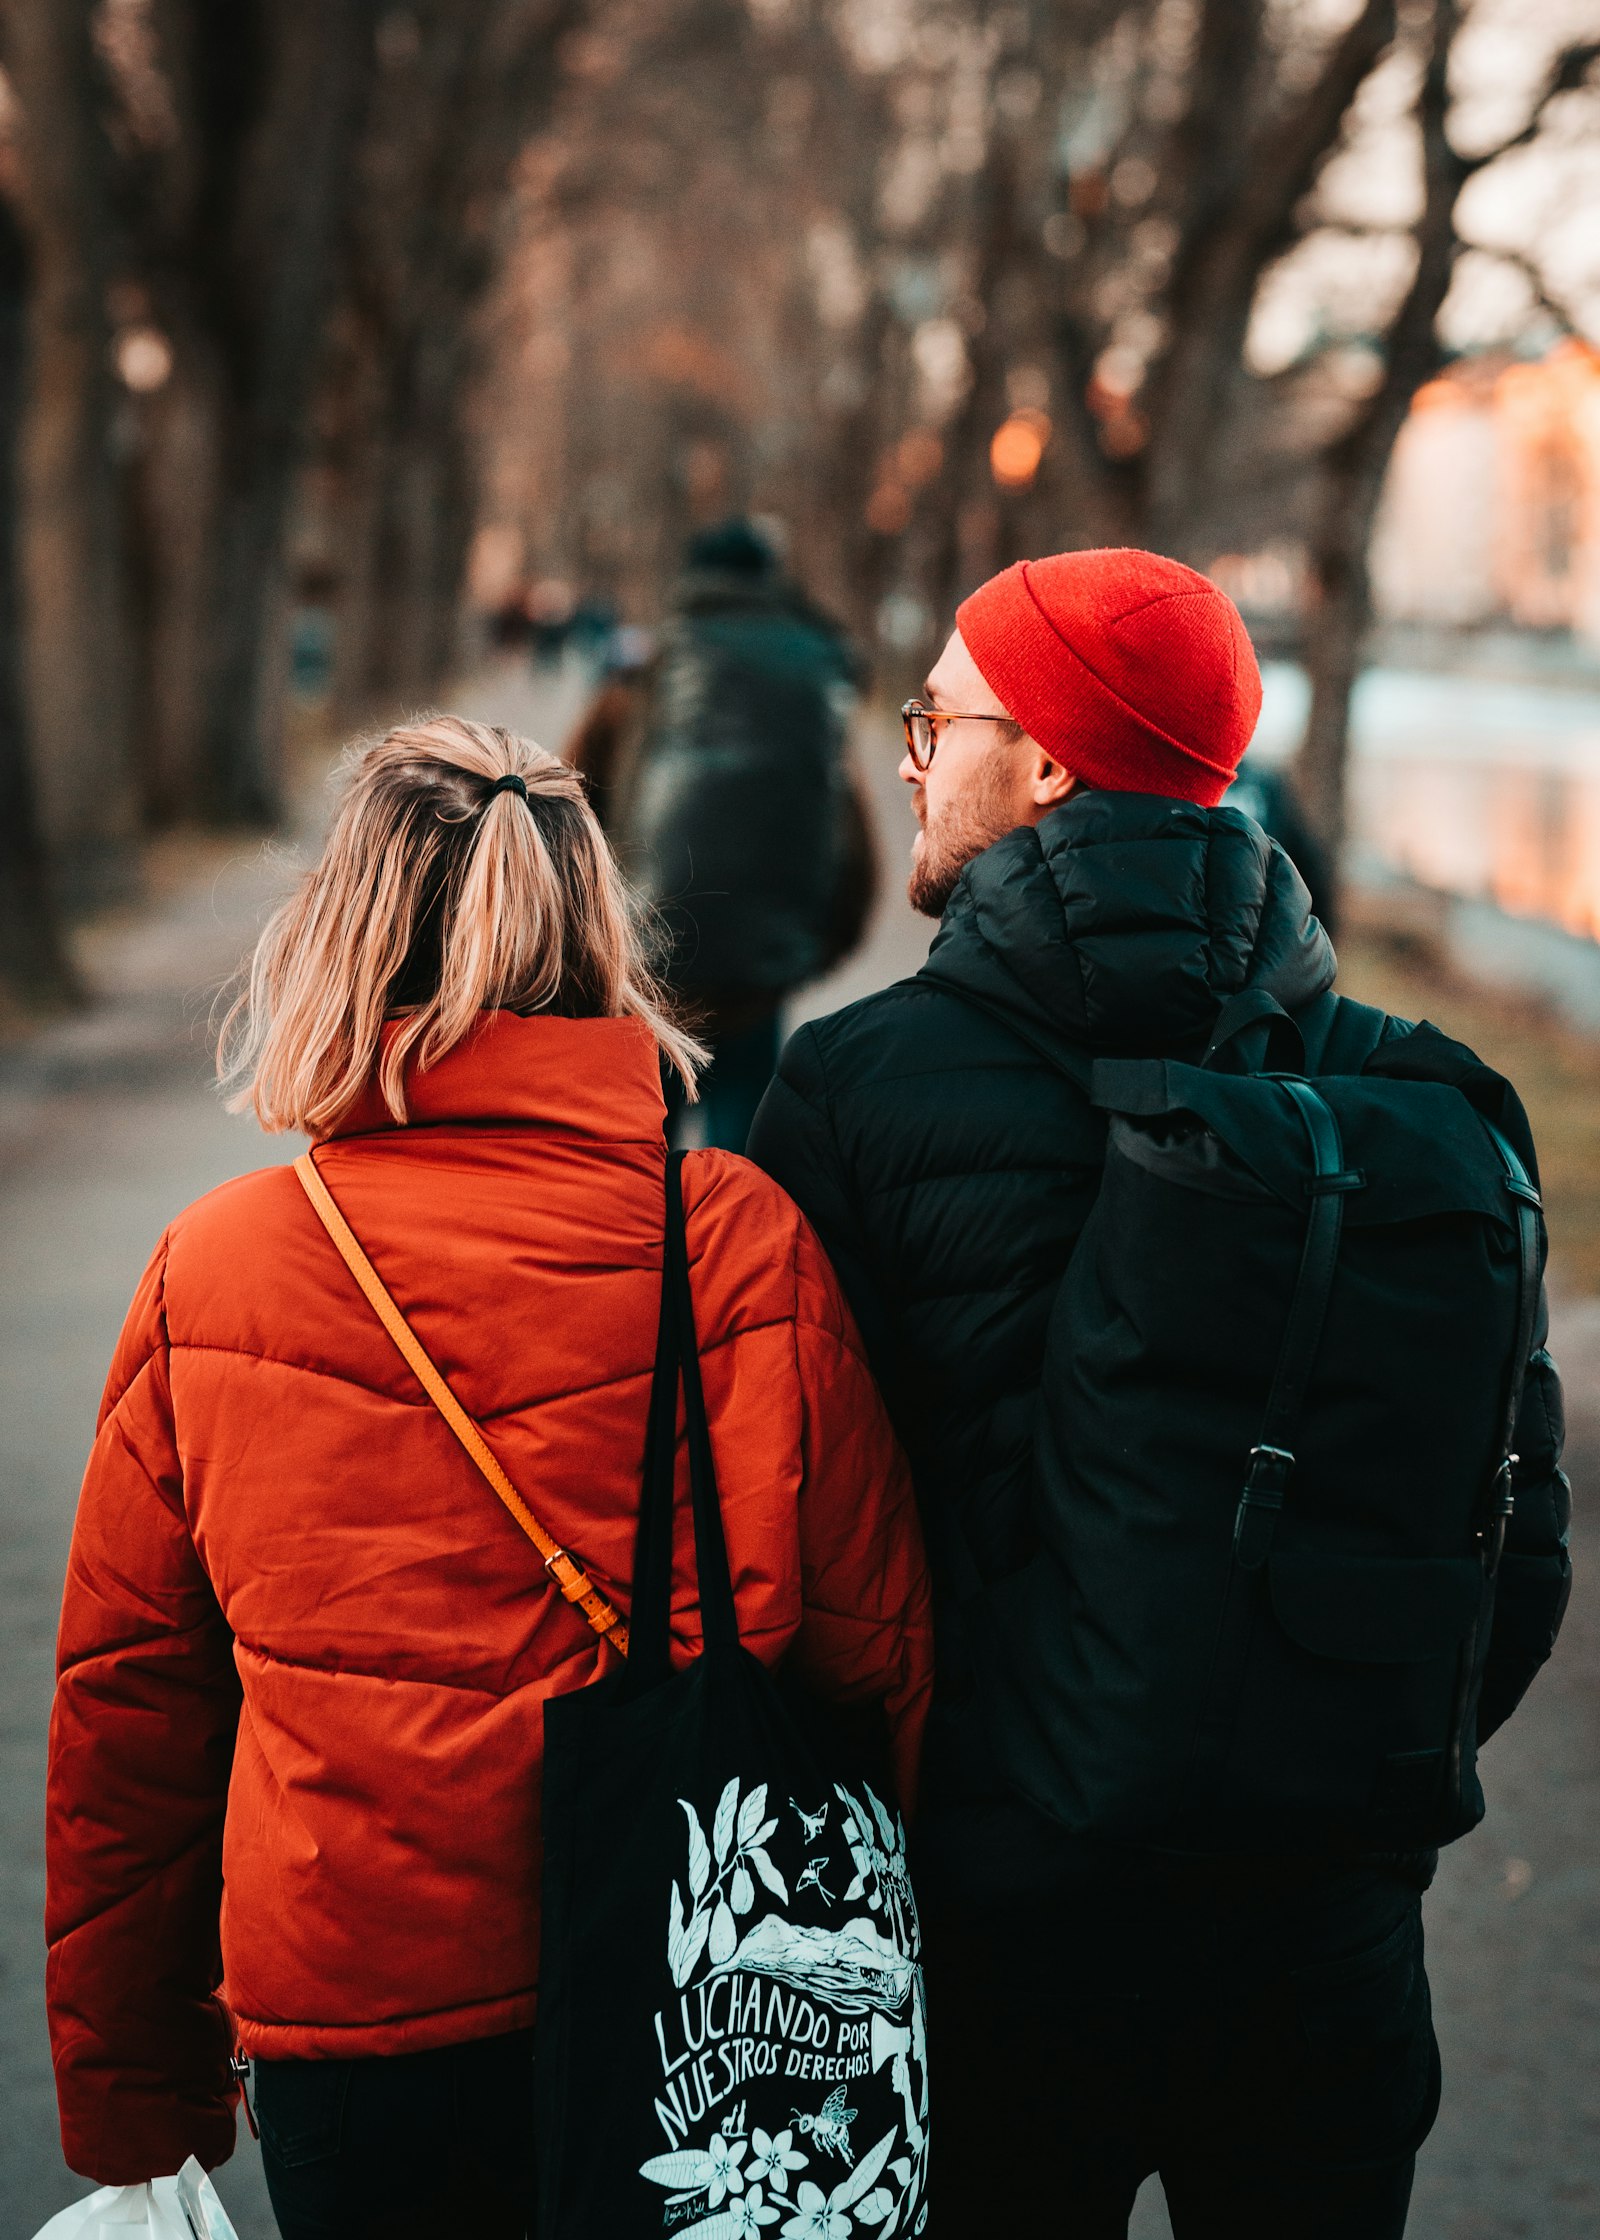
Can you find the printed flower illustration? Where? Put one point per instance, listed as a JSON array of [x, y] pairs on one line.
[[726, 2176], [817, 2218], [749, 2216], [775, 2158]]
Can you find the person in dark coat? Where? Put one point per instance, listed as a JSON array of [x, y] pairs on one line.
[[1256, 2030], [719, 771]]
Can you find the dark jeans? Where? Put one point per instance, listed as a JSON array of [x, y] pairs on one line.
[[1270, 2053], [731, 1087], [413, 2146]]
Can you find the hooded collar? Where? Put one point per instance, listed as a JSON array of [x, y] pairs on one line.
[[1126, 920], [582, 1077]]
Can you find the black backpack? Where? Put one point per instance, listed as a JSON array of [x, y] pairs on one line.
[[1274, 1471]]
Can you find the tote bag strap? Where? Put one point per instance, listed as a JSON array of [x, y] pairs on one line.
[[568, 1575], [677, 1363]]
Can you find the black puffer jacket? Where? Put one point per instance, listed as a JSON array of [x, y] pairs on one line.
[[948, 1168]]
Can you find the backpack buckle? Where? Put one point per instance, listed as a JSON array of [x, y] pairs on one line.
[[1266, 1483], [1492, 1537]]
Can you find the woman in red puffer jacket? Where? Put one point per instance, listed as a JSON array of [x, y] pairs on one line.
[[304, 1651]]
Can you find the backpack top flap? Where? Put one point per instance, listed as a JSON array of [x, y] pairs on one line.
[[1418, 1145]]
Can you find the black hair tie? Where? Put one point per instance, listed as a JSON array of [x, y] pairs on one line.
[[511, 784]]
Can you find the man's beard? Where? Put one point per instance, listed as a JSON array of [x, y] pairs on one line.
[[947, 843]]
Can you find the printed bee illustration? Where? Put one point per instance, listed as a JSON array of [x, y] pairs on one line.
[[830, 2129], [811, 1879], [812, 1823]]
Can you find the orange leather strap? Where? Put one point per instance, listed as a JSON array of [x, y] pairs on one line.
[[568, 1575]]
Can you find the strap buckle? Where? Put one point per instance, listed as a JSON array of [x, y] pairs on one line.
[[1492, 1536], [239, 2064], [1337, 1185], [1266, 1483], [564, 1571]]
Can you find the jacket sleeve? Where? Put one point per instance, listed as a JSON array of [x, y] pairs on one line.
[[141, 1743], [1535, 1575], [793, 1138], [866, 1625]]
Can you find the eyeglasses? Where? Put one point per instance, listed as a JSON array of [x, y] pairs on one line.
[[922, 727]]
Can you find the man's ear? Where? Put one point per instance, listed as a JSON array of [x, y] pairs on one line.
[[1049, 783]]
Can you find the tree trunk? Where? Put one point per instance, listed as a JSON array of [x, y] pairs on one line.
[[293, 203], [33, 967], [1353, 468], [420, 521], [174, 498], [78, 661], [1337, 615]]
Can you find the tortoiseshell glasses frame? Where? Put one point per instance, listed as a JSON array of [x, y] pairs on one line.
[[921, 727]]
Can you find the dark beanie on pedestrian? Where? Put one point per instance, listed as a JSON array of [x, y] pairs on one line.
[[1132, 671]]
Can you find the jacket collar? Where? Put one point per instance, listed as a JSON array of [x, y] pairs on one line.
[[584, 1077], [1124, 921]]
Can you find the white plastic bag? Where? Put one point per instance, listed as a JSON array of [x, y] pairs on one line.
[[181, 2208]]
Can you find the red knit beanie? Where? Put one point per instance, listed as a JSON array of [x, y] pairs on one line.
[[1131, 671]]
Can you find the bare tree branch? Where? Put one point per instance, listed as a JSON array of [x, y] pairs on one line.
[[1551, 305], [1568, 73], [1235, 227]]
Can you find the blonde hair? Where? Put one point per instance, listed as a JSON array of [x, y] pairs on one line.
[[434, 901]]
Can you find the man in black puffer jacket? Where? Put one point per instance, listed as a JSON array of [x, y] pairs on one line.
[[1257, 2030]]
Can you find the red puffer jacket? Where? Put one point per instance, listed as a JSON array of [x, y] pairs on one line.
[[305, 1652]]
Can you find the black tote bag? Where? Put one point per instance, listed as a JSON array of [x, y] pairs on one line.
[[731, 2034]]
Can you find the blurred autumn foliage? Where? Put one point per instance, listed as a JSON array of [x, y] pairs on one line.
[[341, 306]]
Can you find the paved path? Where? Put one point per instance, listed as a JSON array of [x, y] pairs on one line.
[[108, 1125]]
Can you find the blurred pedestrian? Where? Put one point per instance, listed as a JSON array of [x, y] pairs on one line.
[[591, 624], [551, 608], [1183, 1781], [720, 771], [305, 1655]]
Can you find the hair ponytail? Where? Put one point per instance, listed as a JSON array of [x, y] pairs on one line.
[[440, 894]]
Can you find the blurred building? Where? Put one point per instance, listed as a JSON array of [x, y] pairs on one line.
[[1492, 512]]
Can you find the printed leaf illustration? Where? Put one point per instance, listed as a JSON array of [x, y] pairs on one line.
[[724, 1936], [863, 2177], [768, 1873], [900, 2169], [765, 1833], [884, 1822], [694, 1943], [675, 1928], [699, 1855], [878, 2205], [857, 1885], [722, 1826], [741, 1892], [750, 1813], [726, 2225], [684, 2172]]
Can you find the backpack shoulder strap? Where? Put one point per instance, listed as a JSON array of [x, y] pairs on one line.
[[1340, 1035], [568, 1575]]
